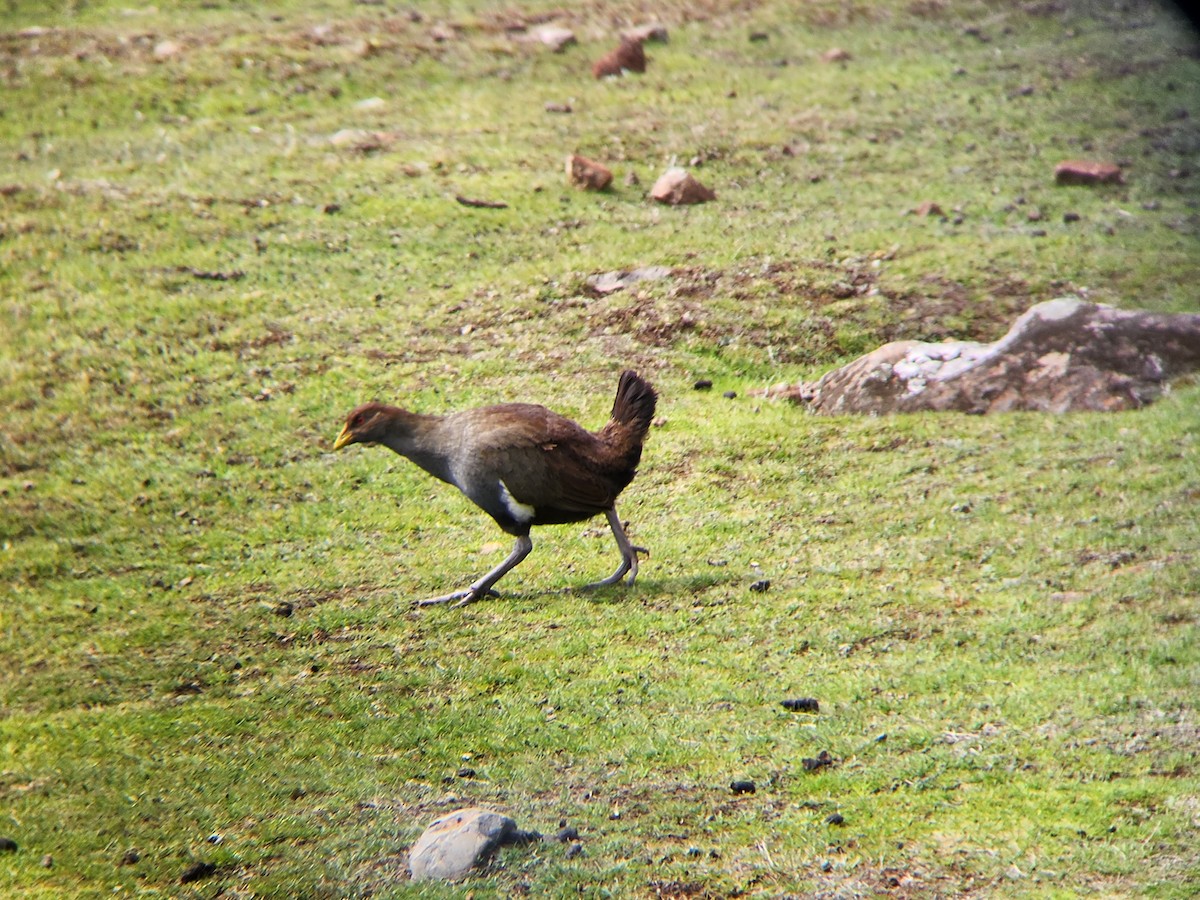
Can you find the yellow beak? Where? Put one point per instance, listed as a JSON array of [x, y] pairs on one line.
[[344, 438]]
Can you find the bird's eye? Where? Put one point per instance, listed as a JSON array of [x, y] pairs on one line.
[[356, 420]]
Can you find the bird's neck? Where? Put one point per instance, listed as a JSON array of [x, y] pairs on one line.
[[416, 437]]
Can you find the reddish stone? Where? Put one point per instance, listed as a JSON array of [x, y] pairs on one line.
[[587, 174], [627, 57]]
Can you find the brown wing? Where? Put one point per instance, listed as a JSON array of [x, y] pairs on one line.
[[544, 460]]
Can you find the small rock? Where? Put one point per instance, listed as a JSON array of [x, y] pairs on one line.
[[587, 174], [370, 104], [730, 395], [743, 787], [458, 842], [168, 49], [677, 187], [47, 861], [702, 384], [1069, 217], [761, 586], [835, 819], [802, 704], [566, 834], [7, 845], [129, 858], [284, 609], [466, 772], [1083, 172], [835, 54], [196, 871], [757, 36], [627, 57]]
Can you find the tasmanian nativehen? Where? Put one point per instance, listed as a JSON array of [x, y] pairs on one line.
[[523, 465]]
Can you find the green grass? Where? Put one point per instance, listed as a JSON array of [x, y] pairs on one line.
[[207, 644]]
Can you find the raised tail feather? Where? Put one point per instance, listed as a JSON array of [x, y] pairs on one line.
[[634, 404]]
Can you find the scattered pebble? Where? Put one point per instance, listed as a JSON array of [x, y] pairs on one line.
[[802, 704], [743, 787], [196, 871], [702, 384], [822, 760]]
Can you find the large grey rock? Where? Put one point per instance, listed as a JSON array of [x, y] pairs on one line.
[[1060, 355], [460, 841]]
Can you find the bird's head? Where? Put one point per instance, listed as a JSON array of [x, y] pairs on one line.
[[365, 425]]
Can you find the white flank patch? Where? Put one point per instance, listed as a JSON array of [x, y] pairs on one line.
[[522, 512]]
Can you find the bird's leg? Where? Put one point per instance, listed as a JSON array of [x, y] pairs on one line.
[[483, 587], [629, 553]]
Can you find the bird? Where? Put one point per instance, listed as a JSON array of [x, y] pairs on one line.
[[523, 465]]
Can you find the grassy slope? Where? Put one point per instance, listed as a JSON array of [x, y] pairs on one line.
[[1011, 601]]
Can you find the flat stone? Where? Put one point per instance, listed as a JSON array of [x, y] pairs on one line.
[[459, 842], [654, 32], [556, 37], [610, 282], [1061, 355], [1076, 171]]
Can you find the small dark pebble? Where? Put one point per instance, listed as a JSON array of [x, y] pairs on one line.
[[835, 819], [574, 850], [567, 834], [802, 704], [742, 787], [130, 857], [196, 871], [761, 586], [466, 772], [822, 760], [330, 208], [284, 609], [7, 845], [730, 395], [1070, 217], [756, 36], [703, 384]]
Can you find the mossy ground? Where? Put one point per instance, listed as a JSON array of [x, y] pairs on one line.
[[207, 644]]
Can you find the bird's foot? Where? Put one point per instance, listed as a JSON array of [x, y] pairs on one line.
[[459, 598], [628, 564]]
